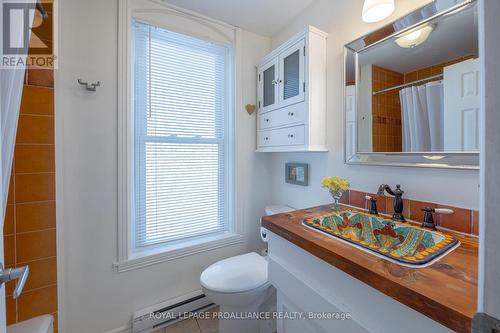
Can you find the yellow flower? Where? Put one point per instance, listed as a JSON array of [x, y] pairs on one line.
[[335, 184], [326, 181]]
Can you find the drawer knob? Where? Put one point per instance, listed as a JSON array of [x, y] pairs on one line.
[[290, 113], [267, 120], [266, 138], [290, 135]]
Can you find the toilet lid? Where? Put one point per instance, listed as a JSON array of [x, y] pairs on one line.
[[236, 274], [277, 209]]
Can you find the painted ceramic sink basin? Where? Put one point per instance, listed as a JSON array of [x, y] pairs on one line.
[[398, 242]]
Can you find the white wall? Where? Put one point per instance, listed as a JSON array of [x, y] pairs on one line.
[[489, 228], [93, 298], [342, 20]]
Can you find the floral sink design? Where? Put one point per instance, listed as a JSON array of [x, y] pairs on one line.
[[399, 242]]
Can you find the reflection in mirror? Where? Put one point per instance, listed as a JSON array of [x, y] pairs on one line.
[[350, 103], [416, 91]]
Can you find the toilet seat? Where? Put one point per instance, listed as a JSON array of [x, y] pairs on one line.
[[236, 274]]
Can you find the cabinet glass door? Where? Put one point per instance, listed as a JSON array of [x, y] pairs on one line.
[[292, 75], [268, 86]]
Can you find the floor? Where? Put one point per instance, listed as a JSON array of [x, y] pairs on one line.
[[193, 326]]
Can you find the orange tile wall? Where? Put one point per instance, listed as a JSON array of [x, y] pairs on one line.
[[386, 111], [433, 70], [30, 222]]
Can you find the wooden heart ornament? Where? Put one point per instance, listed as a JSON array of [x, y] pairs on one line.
[[250, 108]]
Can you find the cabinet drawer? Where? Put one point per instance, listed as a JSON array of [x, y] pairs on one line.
[[281, 117], [290, 136]]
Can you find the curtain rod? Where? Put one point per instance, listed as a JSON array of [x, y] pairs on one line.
[[407, 84]]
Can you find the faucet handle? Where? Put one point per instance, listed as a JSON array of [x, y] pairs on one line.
[[428, 218], [20, 274], [373, 205], [381, 190], [445, 211]]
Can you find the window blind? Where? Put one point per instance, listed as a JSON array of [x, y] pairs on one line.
[[291, 67], [180, 102]]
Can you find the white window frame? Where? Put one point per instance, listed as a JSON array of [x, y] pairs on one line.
[[127, 258]]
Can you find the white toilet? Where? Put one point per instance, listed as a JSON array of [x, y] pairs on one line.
[[240, 286]]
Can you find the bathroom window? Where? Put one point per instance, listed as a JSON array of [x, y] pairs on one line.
[[182, 169]]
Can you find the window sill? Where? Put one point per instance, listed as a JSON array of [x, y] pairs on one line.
[[167, 253]]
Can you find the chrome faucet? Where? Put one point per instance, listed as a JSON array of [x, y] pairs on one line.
[[398, 200]]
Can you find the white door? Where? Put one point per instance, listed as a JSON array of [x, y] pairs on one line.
[[268, 86], [364, 110], [350, 120], [291, 79], [461, 106], [293, 325]]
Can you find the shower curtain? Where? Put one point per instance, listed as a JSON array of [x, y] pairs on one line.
[[422, 112], [11, 86], [11, 89]]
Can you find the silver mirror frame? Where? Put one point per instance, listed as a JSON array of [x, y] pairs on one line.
[[449, 160]]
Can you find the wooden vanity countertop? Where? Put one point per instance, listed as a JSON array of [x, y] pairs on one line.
[[445, 291]]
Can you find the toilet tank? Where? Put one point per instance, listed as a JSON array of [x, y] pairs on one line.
[[277, 209]]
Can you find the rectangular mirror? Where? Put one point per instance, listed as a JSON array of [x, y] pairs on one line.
[[412, 90]]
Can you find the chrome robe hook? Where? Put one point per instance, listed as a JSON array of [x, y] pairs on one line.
[[89, 86]]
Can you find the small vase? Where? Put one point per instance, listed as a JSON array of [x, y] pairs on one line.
[[336, 198]]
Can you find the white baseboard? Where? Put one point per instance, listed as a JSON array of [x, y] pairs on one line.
[[148, 325]]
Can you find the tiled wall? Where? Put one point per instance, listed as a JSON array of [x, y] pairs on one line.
[[462, 220], [386, 111], [30, 223], [433, 70]]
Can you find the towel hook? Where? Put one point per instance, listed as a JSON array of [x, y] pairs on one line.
[[89, 86]]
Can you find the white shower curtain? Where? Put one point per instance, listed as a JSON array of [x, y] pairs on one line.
[[11, 86], [422, 112], [11, 89]]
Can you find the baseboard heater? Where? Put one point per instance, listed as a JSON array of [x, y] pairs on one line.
[[167, 313]]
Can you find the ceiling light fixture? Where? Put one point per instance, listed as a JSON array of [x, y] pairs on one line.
[[377, 10], [415, 37]]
